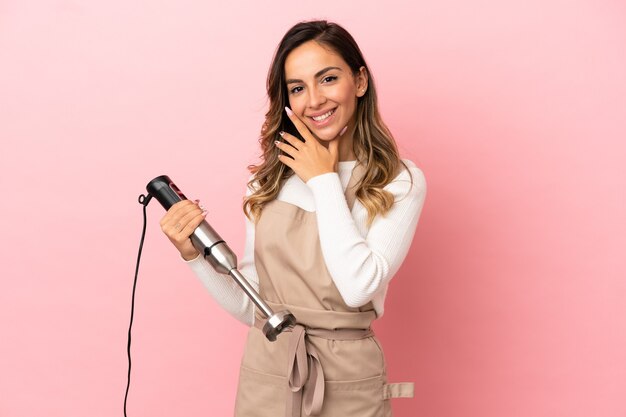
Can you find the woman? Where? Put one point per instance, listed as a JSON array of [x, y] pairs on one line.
[[330, 215]]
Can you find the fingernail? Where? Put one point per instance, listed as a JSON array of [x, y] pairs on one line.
[[281, 133], [288, 110], [343, 130], [276, 142]]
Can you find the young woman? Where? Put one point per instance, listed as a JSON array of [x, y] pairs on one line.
[[331, 211]]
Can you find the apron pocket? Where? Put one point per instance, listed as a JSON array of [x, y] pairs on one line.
[[259, 394], [361, 397]]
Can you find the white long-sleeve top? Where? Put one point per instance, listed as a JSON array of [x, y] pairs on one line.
[[375, 253]]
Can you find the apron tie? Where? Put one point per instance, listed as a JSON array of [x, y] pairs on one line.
[[305, 371], [305, 375]]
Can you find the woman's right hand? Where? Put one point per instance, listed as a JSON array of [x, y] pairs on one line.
[[179, 223]]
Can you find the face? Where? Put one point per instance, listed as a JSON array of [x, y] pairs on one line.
[[322, 90]]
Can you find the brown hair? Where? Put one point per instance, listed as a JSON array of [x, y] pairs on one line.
[[373, 143]]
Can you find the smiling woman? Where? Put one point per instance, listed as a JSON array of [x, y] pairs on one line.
[[330, 215], [325, 100]]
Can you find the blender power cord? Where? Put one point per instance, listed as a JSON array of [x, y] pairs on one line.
[[143, 200]]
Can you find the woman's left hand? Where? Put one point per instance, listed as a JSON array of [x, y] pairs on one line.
[[310, 158]]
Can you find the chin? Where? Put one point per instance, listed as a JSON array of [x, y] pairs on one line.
[[325, 136], [323, 139]]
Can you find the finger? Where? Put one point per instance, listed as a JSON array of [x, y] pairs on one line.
[[291, 140], [192, 223], [178, 206], [287, 150], [195, 222], [286, 160], [183, 225], [176, 213], [183, 210], [299, 124]]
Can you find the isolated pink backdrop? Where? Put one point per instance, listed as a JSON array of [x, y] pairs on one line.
[[512, 299]]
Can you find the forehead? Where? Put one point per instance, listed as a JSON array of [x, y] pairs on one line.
[[308, 58]]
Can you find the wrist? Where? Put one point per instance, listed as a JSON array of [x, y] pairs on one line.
[[318, 177], [188, 257]]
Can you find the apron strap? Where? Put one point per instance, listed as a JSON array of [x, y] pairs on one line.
[[399, 390], [357, 173]]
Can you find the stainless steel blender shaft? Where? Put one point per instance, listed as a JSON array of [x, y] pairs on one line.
[[223, 259]]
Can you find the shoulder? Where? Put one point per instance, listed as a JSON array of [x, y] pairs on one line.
[[408, 171], [410, 181]]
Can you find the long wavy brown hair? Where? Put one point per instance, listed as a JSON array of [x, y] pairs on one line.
[[373, 143]]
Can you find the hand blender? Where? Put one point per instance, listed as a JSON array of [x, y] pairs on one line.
[[215, 250]]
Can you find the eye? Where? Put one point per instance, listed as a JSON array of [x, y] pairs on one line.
[[331, 77], [294, 90]]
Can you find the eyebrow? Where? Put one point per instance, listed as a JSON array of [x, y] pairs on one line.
[[317, 74]]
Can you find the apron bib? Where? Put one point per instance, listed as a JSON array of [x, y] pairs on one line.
[[330, 364]]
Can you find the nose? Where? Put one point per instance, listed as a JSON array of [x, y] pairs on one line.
[[316, 97]]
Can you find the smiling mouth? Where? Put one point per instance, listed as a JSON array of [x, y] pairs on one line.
[[324, 116]]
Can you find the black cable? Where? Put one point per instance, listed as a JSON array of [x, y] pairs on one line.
[[143, 200]]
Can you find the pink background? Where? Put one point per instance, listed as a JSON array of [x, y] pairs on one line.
[[512, 299]]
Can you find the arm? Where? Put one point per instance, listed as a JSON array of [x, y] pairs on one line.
[[223, 288], [375, 258]]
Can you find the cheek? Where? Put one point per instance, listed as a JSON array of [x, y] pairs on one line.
[[297, 105], [347, 102], [346, 98], [342, 95]]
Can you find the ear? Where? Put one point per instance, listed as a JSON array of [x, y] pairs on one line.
[[361, 79]]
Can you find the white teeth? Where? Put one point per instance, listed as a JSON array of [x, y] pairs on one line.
[[323, 116]]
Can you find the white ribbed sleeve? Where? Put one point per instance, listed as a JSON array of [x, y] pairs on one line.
[[223, 288], [360, 260]]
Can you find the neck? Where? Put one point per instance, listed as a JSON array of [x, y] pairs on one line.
[[345, 146]]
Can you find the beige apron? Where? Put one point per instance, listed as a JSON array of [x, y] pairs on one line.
[[330, 363]]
